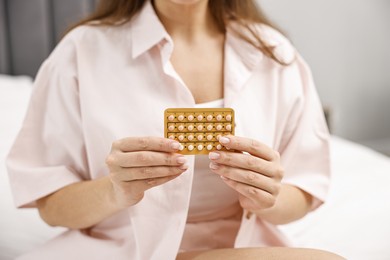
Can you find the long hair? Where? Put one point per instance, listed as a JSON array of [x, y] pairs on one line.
[[244, 12]]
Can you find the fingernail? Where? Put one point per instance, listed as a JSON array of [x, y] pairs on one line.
[[175, 145], [181, 160], [224, 178], [184, 167], [213, 156], [214, 166], [224, 140]]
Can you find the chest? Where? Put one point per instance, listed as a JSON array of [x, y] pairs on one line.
[[201, 67], [129, 99]]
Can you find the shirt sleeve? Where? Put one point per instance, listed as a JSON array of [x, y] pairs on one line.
[[49, 151], [305, 153]]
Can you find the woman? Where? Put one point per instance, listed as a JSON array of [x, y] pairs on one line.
[[106, 86]]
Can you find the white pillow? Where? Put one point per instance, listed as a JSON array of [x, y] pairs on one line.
[[20, 230]]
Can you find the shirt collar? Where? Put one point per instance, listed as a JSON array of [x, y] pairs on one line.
[[249, 55], [147, 30]]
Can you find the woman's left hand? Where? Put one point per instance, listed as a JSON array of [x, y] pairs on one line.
[[256, 175]]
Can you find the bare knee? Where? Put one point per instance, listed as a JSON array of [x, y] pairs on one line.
[[269, 253]]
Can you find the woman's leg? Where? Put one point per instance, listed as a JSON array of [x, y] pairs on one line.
[[269, 253]]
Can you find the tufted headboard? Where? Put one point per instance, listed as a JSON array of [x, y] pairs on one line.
[[29, 30]]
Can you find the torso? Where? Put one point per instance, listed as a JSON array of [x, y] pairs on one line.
[[200, 65], [214, 213]]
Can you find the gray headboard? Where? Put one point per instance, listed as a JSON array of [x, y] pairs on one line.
[[29, 30]]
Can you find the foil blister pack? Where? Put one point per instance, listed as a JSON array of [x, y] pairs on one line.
[[198, 129]]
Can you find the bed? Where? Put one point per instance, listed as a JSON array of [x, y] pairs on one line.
[[353, 223]]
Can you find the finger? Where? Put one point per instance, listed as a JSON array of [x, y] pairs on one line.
[[139, 186], [247, 177], [249, 162], [131, 144], [142, 159], [258, 197], [251, 146], [144, 173]]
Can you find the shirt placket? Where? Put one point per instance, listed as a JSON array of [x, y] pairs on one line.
[[166, 49]]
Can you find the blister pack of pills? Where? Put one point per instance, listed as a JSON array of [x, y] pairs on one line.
[[198, 129]]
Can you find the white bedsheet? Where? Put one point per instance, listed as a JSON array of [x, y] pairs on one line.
[[355, 222]]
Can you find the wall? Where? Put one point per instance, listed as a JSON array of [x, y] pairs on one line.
[[4, 58], [347, 44], [29, 30]]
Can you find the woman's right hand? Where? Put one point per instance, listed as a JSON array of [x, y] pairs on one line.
[[137, 164]]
